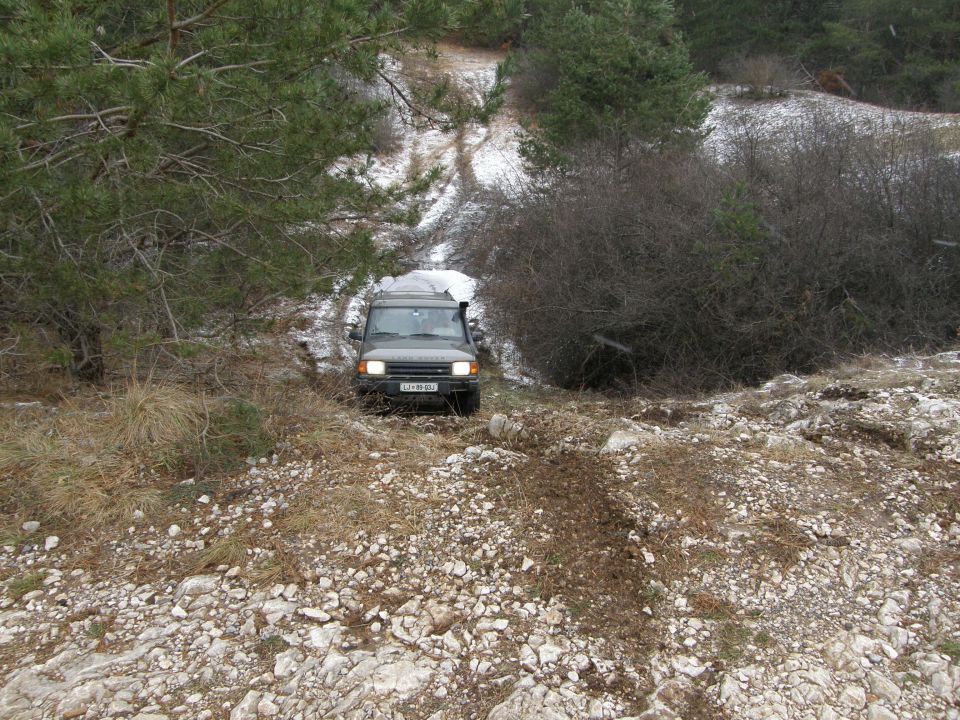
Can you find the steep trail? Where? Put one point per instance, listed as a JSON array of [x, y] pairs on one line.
[[472, 159]]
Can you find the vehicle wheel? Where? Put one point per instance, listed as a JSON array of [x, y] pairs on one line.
[[467, 403]]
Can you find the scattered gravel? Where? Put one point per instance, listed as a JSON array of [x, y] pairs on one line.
[[795, 548]]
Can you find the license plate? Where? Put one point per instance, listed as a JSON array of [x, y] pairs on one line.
[[418, 387]]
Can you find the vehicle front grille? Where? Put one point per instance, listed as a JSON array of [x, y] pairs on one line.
[[418, 369]]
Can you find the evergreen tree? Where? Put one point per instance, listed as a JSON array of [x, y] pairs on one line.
[[896, 52], [899, 52], [173, 165], [612, 69]]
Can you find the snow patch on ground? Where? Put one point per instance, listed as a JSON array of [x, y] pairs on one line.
[[775, 117]]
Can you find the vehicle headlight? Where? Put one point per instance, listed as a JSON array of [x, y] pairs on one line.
[[463, 368], [373, 367]]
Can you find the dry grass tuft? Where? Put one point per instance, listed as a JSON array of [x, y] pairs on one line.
[[281, 566], [90, 463], [147, 414], [785, 541], [231, 550], [23, 584], [338, 514], [712, 607]]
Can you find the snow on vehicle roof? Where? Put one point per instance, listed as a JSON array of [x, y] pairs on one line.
[[461, 287]]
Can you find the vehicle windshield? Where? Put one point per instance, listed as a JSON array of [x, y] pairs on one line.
[[427, 323]]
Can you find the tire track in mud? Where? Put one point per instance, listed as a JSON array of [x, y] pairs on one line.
[[579, 537]]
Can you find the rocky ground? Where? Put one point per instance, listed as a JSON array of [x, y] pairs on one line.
[[785, 552]]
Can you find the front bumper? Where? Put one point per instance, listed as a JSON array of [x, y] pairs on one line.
[[390, 386]]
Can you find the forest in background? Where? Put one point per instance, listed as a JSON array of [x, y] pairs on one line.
[[892, 52]]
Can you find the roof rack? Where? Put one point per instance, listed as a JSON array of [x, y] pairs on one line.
[[408, 285], [415, 293]]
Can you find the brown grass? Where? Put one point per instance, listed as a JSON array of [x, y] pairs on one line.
[[712, 607], [230, 551], [784, 541], [21, 585], [337, 514], [145, 415], [683, 479], [581, 539], [281, 567], [89, 464]]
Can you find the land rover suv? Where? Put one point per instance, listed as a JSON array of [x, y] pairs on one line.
[[417, 347]]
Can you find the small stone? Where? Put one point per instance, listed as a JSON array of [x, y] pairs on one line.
[[889, 612], [197, 585], [619, 441], [876, 711], [883, 688], [30, 526], [267, 708], [689, 666], [553, 617], [549, 653], [178, 612], [174, 530], [942, 685], [526, 564], [911, 545], [51, 542], [729, 689], [314, 614], [528, 659], [246, 709], [853, 696]]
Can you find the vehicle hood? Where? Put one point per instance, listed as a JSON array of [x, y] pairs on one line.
[[416, 351]]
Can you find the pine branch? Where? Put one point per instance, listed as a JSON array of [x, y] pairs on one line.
[[416, 110], [180, 25], [96, 115]]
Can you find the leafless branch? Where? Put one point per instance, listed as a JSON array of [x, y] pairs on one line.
[[416, 110], [96, 115], [188, 60], [254, 64], [121, 62]]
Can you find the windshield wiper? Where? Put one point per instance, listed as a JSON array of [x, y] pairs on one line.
[[424, 335], [380, 332]]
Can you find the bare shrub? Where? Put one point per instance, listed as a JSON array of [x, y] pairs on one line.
[[763, 75], [387, 134], [679, 272], [533, 80]]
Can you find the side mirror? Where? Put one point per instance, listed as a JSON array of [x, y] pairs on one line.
[[477, 335], [355, 334]]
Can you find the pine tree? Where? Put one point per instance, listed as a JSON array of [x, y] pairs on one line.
[[613, 69], [174, 165]]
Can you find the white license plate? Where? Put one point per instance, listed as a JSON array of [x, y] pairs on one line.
[[418, 387]]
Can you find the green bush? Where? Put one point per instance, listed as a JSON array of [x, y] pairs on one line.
[[612, 70], [491, 23], [236, 431]]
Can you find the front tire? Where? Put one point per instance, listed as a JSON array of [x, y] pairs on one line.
[[466, 403]]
